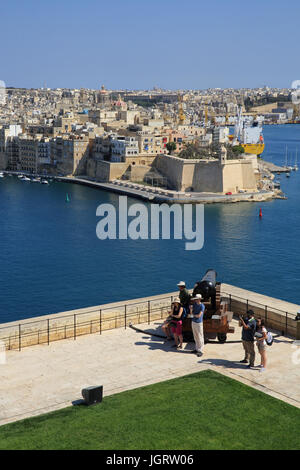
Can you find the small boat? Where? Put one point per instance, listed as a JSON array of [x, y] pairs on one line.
[[296, 161], [36, 180], [288, 175], [44, 182], [67, 198], [1, 175], [25, 178]]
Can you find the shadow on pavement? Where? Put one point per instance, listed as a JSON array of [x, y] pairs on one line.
[[226, 363]]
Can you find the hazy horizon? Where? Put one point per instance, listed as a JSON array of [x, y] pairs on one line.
[[138, 45]]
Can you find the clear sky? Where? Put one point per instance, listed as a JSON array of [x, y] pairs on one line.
[[138, 44]]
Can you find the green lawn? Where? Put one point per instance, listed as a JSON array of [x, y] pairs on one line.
[[200, 411]]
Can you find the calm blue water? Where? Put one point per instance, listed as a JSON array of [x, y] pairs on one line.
[[51, 259]]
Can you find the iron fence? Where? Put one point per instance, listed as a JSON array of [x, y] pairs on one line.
[[276, 319], [71, 326], [78, 324]]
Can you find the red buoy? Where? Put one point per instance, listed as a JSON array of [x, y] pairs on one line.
[[260, 213]]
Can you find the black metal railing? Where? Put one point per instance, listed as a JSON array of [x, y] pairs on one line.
[[274, 318], [74, 325], [77, 324]]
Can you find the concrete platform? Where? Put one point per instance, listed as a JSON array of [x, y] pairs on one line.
[[157, 196], [40, 379]]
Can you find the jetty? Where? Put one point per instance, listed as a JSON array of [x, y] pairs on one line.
[[161, 195]]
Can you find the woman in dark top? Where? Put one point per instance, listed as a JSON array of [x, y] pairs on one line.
[[176, 313]]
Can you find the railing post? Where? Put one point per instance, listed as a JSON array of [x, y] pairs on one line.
[[247, 305], [149, 311], [286, 322], [74, 326], [20, 345], [125, 315], [100, 318], [230, 309], [266, 314], [48, 331]]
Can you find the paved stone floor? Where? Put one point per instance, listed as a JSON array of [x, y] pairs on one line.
[[40, 379]]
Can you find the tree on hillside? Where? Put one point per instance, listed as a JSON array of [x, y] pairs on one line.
[[171, 146]]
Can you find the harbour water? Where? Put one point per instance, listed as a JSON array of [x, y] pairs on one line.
[[52, 261]]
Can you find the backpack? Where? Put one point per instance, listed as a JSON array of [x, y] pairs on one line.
[[185, 313], [269, 339]]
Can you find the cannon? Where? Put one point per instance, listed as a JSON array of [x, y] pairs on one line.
[[207, 287], [217, 318]]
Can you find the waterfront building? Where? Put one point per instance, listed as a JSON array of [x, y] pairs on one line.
[[28, 153], [123, 147], [8, 144], [69, 153]]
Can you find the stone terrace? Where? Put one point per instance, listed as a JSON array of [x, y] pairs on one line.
[[43, 378]]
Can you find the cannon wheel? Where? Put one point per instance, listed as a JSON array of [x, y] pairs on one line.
[[222, 337]]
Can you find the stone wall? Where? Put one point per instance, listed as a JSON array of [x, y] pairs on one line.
[[104, 171], [66, 325], [172, 168], [207, 176], [279, 316]]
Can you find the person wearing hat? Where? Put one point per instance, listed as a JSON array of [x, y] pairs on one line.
[[184, 295], [248, 331], [176, 322], [197, 310]]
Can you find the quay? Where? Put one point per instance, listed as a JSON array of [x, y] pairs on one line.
[[275, 168], [43, 378], [160, 195]]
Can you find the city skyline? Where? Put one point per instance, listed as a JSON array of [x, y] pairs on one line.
[[134, 46]]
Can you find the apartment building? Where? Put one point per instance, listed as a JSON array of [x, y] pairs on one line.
[[69, 153], [8, 145], [152, 143], [28, 153], [123, 147]]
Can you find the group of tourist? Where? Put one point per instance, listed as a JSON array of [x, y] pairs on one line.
[[182, 306], [252, 330]]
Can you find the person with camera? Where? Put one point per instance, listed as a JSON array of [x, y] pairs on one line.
[[176, 322], [248, 331], [261, 343]]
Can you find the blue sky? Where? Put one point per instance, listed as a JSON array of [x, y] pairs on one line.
[[140, 44]]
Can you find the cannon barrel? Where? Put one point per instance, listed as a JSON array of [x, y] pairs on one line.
[[207, 286], [211, 277]]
